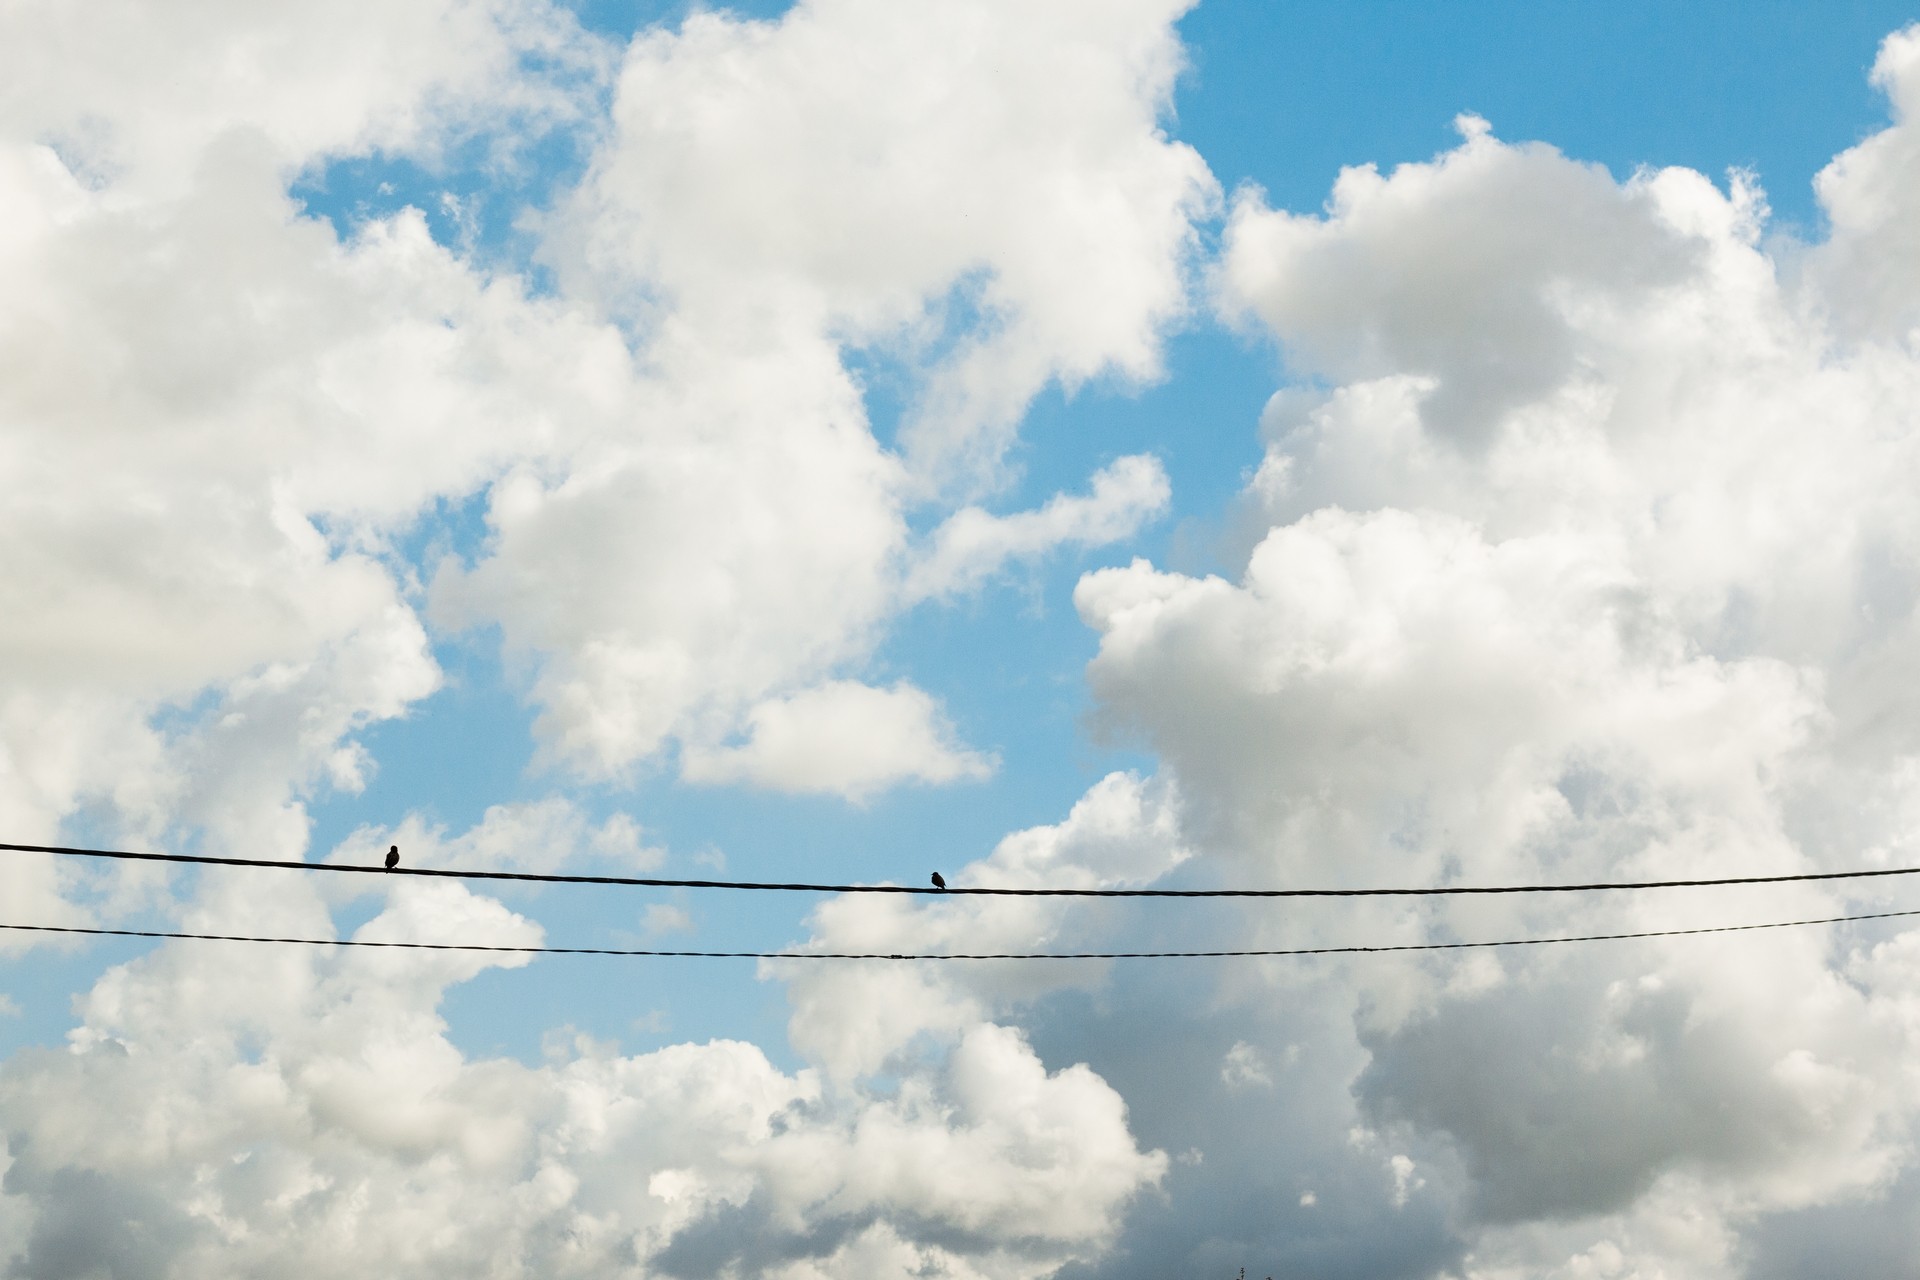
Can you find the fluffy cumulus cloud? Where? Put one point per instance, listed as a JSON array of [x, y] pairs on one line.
[[841, 738], [228, 429], [972, 544], [1582, 549], [891, 173], [541, 836], [239, 445], [319, 1121], [308, 1112], [977, 191], [217, 413], [1864, 272], [132, 96], [854, 1018]]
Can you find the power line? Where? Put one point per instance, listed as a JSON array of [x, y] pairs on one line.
[[972, 955], [651, 882]]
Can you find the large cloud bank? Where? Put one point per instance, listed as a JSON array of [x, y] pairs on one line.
[[229, 431], [239, 445], [1583, 547]]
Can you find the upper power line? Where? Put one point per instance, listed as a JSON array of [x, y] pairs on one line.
[[951, 955], [657, 882]]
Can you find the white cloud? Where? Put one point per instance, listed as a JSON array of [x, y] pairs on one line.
[[1594, 555], [134, 95], [171, 552], [309, 1114], [1865, 269], [1244, 1067], [870, 171], [1405, 1180], [662, 918], [541, 835], [728, 536], [841, 738], [226, 429], [619, 838], [851, 1018], [1418, 275], [972, 544], [731, 531], [219, 418]]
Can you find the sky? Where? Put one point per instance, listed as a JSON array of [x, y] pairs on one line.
[[1085, 445]]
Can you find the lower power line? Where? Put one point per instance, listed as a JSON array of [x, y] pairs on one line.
[[951, 955]]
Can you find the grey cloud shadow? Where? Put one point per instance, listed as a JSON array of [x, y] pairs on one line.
[[90, 1224], [1262, 1148]]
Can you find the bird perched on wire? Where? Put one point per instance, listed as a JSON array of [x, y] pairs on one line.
[[393, 856], [939, 881]]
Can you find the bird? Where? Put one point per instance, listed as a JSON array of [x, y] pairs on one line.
[[393, 856], [939, 881]]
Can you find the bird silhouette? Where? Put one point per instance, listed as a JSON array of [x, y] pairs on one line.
[[939, 881], [393, 856]]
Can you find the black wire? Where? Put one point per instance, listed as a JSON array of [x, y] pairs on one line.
[[659, 883], [996, 955]]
